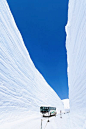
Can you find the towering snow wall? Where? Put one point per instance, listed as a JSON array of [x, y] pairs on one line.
[[22, 87], [76, 56]]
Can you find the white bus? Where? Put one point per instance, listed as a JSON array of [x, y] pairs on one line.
[[48, 111]]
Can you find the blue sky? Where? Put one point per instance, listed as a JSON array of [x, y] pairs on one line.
[[42, 25]]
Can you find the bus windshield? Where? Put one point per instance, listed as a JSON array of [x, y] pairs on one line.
[[46, 109]]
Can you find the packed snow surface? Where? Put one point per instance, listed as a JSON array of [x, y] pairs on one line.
[[76, 57]]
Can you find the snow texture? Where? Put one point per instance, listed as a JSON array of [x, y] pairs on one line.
[[22, 88], [76, 57], [66, 103]]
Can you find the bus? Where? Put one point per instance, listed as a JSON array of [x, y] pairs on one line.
[[48, 111]]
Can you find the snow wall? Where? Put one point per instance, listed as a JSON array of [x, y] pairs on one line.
[[76, 57], [22, 87]]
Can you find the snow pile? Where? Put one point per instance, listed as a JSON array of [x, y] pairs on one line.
[[76, 56], [66, 103], [22, 88]]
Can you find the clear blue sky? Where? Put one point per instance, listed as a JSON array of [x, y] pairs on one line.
[[42, 25]]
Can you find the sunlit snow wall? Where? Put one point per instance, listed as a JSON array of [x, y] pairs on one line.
[[76, 57], [22, 87]]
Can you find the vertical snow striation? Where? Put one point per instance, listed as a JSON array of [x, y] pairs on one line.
[[22, 87], [76, 56]]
